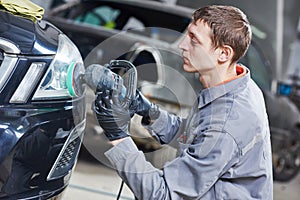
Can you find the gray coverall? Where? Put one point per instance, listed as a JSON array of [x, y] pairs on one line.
[[225, 150]]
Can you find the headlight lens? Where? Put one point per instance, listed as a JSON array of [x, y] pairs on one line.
[[28, 83], [65, 74]]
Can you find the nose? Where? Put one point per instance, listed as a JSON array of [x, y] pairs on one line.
[[182, 45]]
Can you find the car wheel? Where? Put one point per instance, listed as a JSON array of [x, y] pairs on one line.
[[286, 159]]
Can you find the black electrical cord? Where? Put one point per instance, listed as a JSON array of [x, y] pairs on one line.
[[120, 190]]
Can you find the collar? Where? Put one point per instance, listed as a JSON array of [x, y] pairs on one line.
[[208, 95]]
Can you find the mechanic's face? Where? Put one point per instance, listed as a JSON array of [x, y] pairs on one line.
[[197, 51]]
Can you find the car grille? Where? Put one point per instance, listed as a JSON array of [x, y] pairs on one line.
[[68, 154]]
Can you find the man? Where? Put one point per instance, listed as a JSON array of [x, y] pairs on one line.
[[225, 150]]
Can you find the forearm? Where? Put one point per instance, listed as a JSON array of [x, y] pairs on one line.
[[165, 127], [145, 181], [116, 142]]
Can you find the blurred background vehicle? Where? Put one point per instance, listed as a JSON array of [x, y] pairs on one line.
[[290, 86], [42, 110], [147, 33]]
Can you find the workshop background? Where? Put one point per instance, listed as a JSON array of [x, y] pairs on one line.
[[277, 20]]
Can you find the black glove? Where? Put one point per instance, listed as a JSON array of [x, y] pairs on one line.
[[143, 107], [111, 116]]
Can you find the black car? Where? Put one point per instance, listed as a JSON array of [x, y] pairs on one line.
[[147, 33], [42, 110]]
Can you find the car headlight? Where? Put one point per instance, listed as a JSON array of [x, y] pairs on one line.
[[65, 73]]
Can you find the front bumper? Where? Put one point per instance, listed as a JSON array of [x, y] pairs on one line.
[[39, 146]]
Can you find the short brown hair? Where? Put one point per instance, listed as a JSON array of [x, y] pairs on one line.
[[229, 26]]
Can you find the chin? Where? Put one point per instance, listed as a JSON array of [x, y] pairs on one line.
[[189, 68]]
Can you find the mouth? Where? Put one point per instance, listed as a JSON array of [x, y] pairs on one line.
[[186, 60]]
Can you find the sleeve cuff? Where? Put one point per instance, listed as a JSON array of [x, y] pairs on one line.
[[121, 151], [160, 123]]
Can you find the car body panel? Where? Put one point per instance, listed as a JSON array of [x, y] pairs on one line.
[[21, 32], [39, 139]]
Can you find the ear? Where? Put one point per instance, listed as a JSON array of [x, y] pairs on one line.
[[225, 53]]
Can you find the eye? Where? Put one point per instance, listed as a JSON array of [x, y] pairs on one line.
[[194, 41]]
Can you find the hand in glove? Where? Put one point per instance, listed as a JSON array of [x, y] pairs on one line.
[[111, 116], [143, 107]]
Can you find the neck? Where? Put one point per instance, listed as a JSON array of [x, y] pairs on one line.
[[217, 75]]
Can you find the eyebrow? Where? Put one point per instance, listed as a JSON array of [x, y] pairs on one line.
[[191, 32]]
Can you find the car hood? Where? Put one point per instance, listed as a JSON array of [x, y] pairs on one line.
[[29, 37]]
